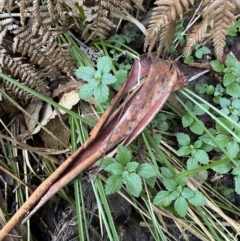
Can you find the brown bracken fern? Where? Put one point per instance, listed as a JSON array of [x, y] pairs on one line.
[[29, 43], [218, 15]]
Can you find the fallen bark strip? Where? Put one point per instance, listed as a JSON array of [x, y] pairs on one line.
[[122, 126]]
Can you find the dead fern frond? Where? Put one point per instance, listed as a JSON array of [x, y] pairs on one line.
[[164, 15], [199, 32], [26, 74], [221, 16]]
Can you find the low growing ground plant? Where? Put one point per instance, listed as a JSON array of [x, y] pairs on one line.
[[127, 172]]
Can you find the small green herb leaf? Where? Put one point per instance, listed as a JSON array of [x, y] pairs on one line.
[[232, 148], [113, 185], [104, 64], [106, 162], [101, 93], [86, 91], [133, 184], [231, 61], [187, 193], [187, 120], [183, 139], [200, 156], [197, 128], [85, 73], [217, 66], [237, 184], [151, 181], [192, 163], [222, 139], [233, 90], [115, 168], [132, 166], [170, 184], [198, 110], [108, 79], [198, 199], [121, 76], [181, 206], [181, 181], [146, 170], [223, 168], [166, 172], [163, 198], [184, 150], [124, 155]]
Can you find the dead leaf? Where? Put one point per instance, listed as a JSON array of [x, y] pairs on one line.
[[46, 113], [63, 136], [68, 100]]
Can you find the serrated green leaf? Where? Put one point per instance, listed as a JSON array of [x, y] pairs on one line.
[[104, 64], [113, 185], [237, 184], [224, 102], [187, 193], [187, 120], [86, 91], [207, 148], [182, 181], [217, 66], [200, 156], [224, 122], [236, 103], [183, 139], [189, 104], [184, 150], [223, 168], [132, 166], [197, 144], [198, 199], [101, 93], [170, 184], [163, 198], [236, 171], [228, 79], [207, 139], [232, 148], [222, 139], [157, 138], [233, 90], [236, 70], [181, 206], [201, 88], [85, 73], [108, 79], [192, 163], [121, 76], [115, 168], [231, 61], [124, 155], [225, 111], [98, 75], [198, 109], [146, 170], [201, 51], [197, 128], [133, 184], [163, 126], [166, 172], [106, 162], [124, 175], [151, 181]]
